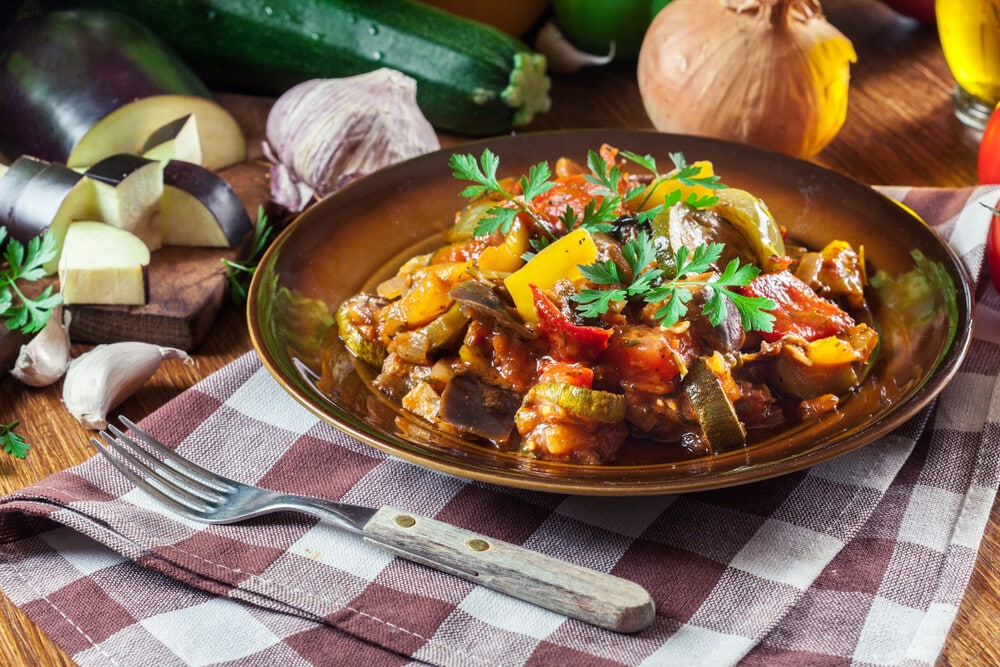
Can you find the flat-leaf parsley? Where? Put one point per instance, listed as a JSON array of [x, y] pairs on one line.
[[647, 283], [25, 264]]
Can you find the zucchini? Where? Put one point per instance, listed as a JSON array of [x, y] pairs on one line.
[[581, 402], [716, 414], [471, 78]]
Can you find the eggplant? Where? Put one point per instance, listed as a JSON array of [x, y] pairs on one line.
[[79, 85], [51, 199], [200, 208], [474, 406], [177, 140], [105, 265], [127, 190], [12, 182], [482, 300]]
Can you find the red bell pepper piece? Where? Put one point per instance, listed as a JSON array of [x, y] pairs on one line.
[[568, 341], [798, 310]]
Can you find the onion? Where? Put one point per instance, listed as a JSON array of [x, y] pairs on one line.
[[324, 133], [771, 73]]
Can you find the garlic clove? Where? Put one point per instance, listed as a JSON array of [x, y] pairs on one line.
[[101, 378], [44, 359], [562, 56], [328, 132]]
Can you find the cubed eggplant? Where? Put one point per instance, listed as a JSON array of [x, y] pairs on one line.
[[127, 190], [52, 198]]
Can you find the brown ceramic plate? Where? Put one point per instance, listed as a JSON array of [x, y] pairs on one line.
[[360, 234]]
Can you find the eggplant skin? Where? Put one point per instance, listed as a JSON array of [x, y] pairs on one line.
[[61, 72]]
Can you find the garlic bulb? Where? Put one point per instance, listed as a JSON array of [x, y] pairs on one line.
[[324, 133], [44, 358], [101, 378], [772, 73]]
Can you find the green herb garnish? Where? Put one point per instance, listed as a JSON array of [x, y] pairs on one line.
[[596, 217], [13, 444], [239, 273], [25, 264], [647, 283]]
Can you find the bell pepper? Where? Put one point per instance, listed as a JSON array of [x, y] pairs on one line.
[[568, 341], [508, 256], [750, 216], [798, 310], [426, 298], [656, 192], [557, 261]]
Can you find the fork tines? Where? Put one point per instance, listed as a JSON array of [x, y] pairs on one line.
[[159, 471]]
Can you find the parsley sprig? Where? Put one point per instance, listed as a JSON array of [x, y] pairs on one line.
[[13, 443], [25, 264], [239, 273], [647, 283], [645, 280], [596, 216]]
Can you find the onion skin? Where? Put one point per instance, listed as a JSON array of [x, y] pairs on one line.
[[770, 73]]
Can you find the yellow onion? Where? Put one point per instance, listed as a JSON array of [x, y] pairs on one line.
[[771, 73]]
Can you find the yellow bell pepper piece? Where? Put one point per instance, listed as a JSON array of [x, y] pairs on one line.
[[426, 299], [657, 192], [506, 257], [561, 259], [831, 351]]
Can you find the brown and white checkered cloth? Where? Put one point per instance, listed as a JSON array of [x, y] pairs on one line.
[[860, 560]]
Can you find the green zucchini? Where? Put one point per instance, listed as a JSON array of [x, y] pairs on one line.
[[716, 414], [471, 78]]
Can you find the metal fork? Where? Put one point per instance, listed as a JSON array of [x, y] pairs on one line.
[[202, 495]]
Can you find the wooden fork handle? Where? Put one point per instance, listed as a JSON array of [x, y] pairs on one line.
[[572, 590]]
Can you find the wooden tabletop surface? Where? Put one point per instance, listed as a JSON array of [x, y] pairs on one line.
[[900, 130]]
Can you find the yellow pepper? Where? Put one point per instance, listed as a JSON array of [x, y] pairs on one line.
[[426, 299], [506, 257], [561, 259], [657, 192]]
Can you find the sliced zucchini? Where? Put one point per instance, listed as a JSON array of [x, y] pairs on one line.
[[591, 404], [371, 352], [716, 414]]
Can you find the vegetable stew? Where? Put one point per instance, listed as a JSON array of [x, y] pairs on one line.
[[588, 303]]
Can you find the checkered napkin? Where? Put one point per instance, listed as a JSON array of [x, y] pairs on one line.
[[861, 559]]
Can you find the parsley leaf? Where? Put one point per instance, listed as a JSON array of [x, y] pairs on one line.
[[13, 443], [675, 294], [25, 264], [483, 173]]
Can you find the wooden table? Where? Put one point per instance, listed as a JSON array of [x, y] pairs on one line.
[[900, 130]]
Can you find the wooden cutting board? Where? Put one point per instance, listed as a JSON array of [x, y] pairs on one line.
[[187, 286]]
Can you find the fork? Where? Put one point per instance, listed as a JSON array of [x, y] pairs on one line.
[[558, 585]]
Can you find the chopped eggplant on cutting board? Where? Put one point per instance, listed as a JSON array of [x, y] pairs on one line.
[[103, 264]]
